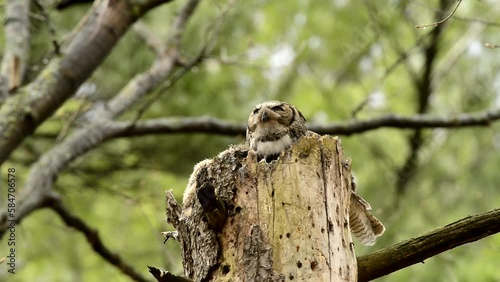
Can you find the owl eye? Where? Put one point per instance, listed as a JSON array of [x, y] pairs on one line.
[[277, 109], [255, 111]]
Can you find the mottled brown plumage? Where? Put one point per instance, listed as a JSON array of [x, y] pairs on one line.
[[274, 126]]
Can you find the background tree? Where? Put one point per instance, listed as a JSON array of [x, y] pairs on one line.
[[100, 115]]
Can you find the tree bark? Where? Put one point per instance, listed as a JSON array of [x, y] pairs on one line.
[[104, 26], [284, 220], [415, 250]]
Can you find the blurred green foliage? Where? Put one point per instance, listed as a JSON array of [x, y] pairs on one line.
[[326, 57]]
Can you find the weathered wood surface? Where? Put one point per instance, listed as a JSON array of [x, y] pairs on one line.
[[284, 220]]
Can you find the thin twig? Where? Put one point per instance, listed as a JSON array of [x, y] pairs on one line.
[[96, 242], [361, 106], [460, 18], [175, 39], [165, 276], [424, 89], [151, 39], [491, 46], [69, 122], [52, 31], [169, 84], [435, 24]]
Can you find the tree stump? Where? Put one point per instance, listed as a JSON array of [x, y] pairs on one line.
[[284, 220]]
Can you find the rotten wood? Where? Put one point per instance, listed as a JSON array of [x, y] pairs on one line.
[[284, 220]]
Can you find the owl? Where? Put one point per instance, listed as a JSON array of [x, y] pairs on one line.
[[274, 126]]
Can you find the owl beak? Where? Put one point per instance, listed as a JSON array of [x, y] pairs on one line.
[[264, 117]]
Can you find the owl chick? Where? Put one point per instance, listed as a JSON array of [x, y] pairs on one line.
[[274, 126]]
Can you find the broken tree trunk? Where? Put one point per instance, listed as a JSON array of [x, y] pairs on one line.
[[284, 220]]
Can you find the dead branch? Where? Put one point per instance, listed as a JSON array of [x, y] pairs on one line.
[[63, 4], [491, 46], [95, 241], [165, 276], [212, 125], [415, 250]]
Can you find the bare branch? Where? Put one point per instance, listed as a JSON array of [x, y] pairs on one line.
[[162, 67], [491, 46], [23, 113], [215, 126], [165, 276], [411, 122], [170, 83], [415, 250], [44, 172], [96, 242], [63, 4], [424, 84], [211, 125], [462, 18], [151, 39], [179, 125], [176, 40], [441, 21], [181, 23]]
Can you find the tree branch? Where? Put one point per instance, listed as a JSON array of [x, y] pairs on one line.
[[105, 25], [415, 250], [17, 44], [152, 40], [97, 130], [165, 276], [222, 127], [159, 71], [63, 4], [425, 88], [95, 241], [423, 26]]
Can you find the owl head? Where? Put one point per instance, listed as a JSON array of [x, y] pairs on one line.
[[274, 126], [274, 116]]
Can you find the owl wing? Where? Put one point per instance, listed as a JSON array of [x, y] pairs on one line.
[[364, 225]]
